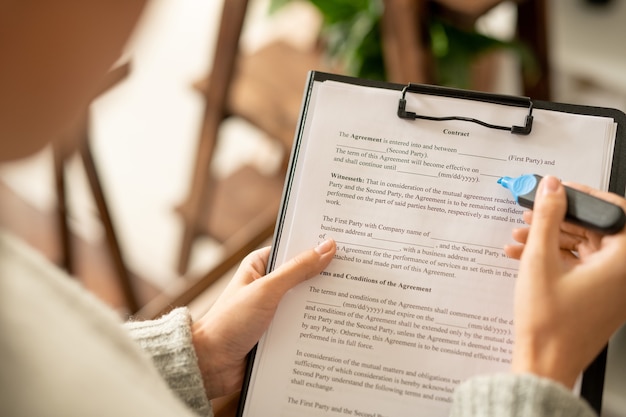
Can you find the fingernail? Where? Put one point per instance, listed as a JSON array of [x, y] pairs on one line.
[[550, 184], [324, 247]]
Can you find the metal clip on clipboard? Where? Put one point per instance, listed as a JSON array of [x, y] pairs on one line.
[[468, 95]]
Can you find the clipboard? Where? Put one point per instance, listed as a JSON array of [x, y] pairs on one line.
[[591, 387], [618, 173]]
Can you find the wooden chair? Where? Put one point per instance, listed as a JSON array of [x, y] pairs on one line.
[[265, 89], [409, 59], [61, 158]]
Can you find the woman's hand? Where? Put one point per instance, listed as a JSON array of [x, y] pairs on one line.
[[571, 289], [226, 334]]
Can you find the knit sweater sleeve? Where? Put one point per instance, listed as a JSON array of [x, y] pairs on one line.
[[510, 395], [167, 341]]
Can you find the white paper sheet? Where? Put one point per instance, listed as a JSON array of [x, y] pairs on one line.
[[419, 295]]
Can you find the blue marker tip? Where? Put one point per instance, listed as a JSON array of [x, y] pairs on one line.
[[519, 186], [582, 208]]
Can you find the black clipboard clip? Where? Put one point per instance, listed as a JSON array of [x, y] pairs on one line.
[[468, 95]]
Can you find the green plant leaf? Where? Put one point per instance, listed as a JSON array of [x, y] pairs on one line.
[[455, 50], [276, 5], [351, 31], [334, 11]]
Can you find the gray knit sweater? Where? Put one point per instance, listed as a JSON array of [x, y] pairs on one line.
[[63, 353], [509, 395], [168, 341]]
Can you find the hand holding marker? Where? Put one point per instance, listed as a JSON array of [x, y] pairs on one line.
[[582, 208]]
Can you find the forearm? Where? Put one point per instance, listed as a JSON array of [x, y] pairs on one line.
[[168, 341], [511, 395]]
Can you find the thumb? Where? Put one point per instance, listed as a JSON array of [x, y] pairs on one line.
[[302, 267], [548, 213]]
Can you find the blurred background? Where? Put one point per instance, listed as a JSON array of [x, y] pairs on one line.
[[169, 160], [148, 128], [184, 153]]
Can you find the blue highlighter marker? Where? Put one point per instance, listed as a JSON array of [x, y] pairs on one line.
[[582, 208]]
